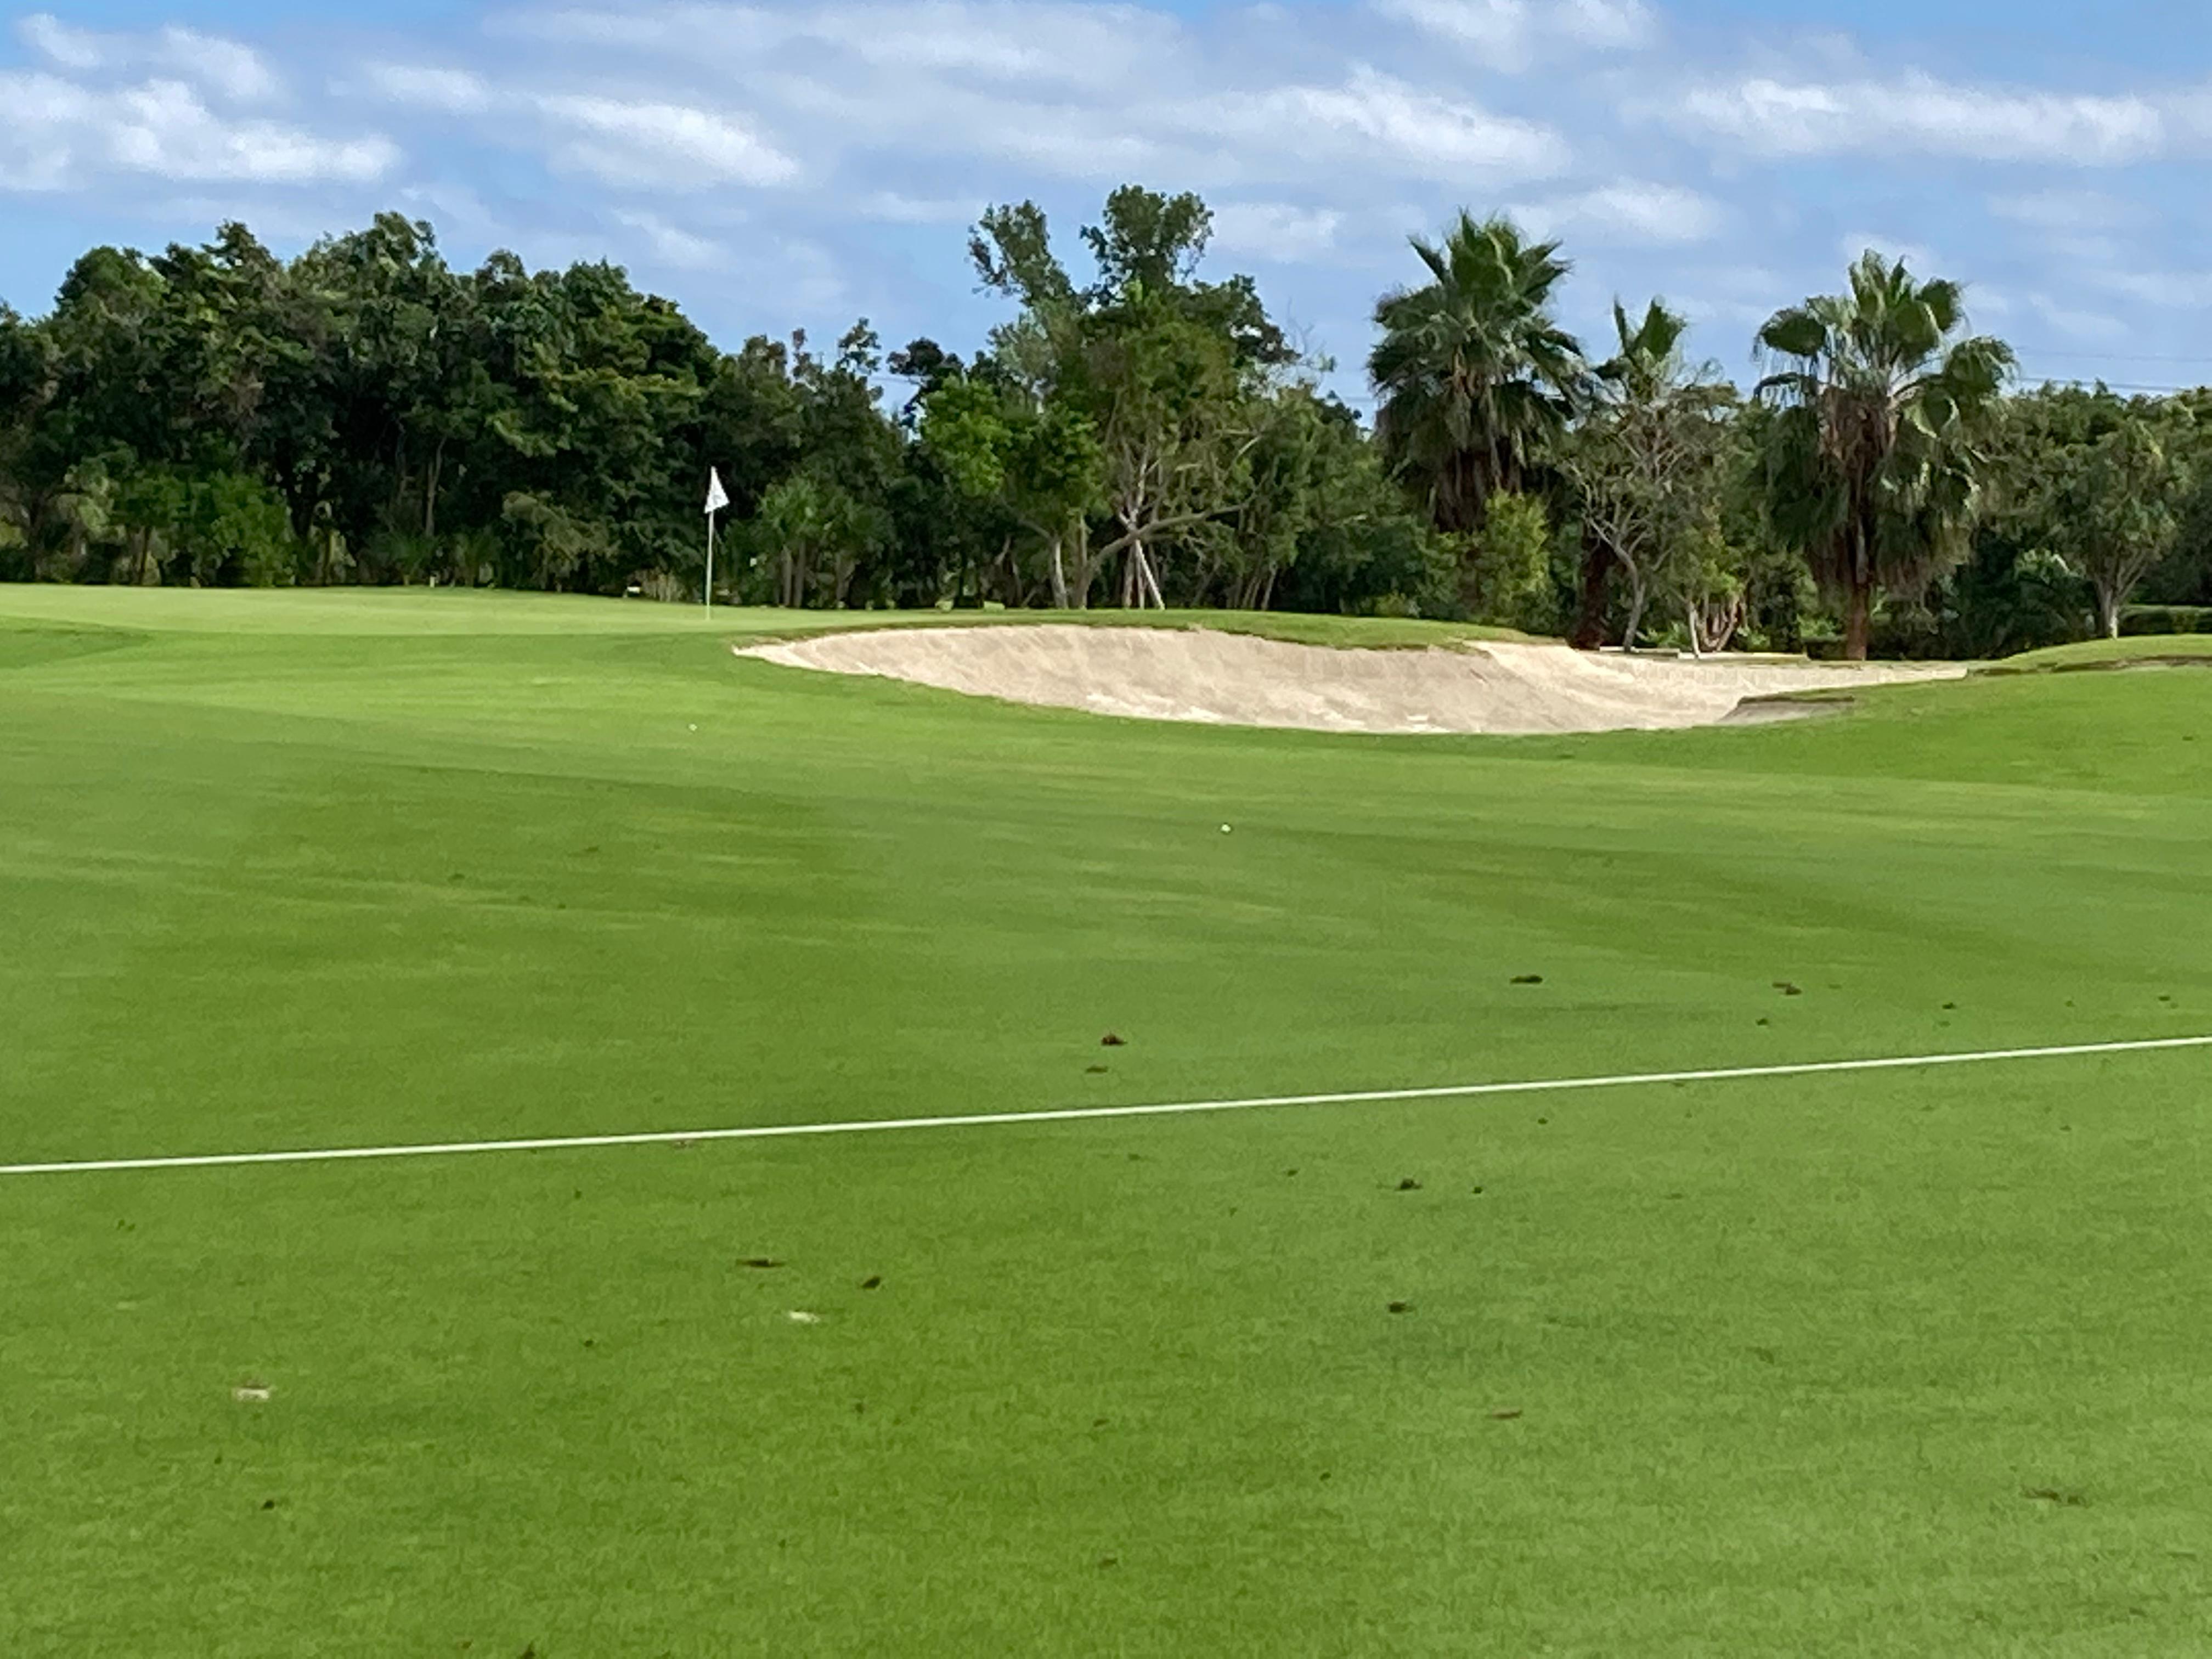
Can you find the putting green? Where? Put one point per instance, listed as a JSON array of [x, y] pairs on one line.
[[1901, 1363]]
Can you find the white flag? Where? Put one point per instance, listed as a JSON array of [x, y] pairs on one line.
[[717, 497]]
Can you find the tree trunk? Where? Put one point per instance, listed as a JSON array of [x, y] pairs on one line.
[[1148, 580], [1589, 617], [1059, 578], [1640, 595], [2108, 611], [1858, 620], [430, 491], [1858, 608], [1714, 628], [1079, 590]]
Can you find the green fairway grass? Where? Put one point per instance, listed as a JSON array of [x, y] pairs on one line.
[[1907, 1363]]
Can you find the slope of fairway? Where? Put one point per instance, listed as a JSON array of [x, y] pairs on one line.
[[2183, 650], [415, 612], [1912, 1363]]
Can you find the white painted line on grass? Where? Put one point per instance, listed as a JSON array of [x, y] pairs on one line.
[[1083, 1114]]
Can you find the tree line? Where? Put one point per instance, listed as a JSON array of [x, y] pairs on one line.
[[1132, 434]]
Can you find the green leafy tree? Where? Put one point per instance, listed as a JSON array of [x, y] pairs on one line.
[[1707, 583], [84, 511], [2103, 483], [154, 511], [1162, 368], [1358, 547], [1877, 460], [1164, 396], [1505, 574], [816, 536], [1055, 482], [26, 382], [234, 531], [1644, 468], [367, 412], [1037, 473], [1282, 496], [553, 544], [1777, 592]]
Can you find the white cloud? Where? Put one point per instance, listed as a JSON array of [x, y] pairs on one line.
[[1616, 23], [61, 135], [1275, 231], [236, 72], [163, 128], [672, 245], [1320, 131], [453, 206], [2068, 211], [1039, 46], [1034, 44], [2081, 324], [2171, 291], [1852, 243], [688, 30], [1919, 113], [1065, 141], [225, 68], [663, 146], [807, 277], [46, 34], [1377, 122], [1630, 211], [1509, 34], [458, 92], [891, 208], [1080, 91]]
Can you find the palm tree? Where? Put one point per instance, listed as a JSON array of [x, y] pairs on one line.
[[1475, 376], [1875, 464], [1647, 359]]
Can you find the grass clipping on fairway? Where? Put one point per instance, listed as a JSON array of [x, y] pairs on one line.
[[1231, 679]]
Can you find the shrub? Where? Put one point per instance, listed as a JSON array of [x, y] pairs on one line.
[[1505, 568], [2140, 620]]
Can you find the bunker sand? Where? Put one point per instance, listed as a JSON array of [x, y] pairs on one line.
[[1233, 679]]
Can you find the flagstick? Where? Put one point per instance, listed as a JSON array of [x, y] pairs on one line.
[[717, 499]]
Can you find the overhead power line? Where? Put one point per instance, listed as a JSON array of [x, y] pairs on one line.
[[2114, 356]]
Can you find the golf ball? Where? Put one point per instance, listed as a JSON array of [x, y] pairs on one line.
[[1224, 829]]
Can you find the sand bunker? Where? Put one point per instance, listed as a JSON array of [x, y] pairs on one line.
[[1235, 679]]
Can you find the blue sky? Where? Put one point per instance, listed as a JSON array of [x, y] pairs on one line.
[[782, 165]]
